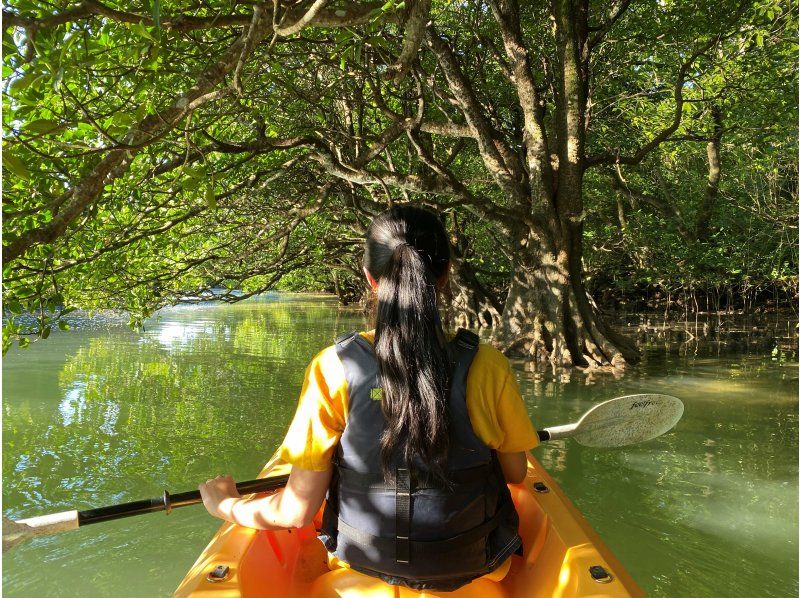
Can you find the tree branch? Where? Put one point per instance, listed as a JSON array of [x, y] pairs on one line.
[[666, 133], [414, 34], [616, 11], [506, 13], [488, 139], [117, 161], [706, 210], [341, 16]]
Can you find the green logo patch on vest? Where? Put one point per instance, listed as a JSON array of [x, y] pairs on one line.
[[376, 394]]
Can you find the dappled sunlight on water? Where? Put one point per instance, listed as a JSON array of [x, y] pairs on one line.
[[709, 509], [102, 415]]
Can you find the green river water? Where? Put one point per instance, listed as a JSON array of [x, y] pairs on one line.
[[101, 414]]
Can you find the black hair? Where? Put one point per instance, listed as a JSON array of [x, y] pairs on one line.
[[407, 251]]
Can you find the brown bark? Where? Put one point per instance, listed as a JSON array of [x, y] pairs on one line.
[[548, 316], [418, 15], [706, 210], [470, 304]]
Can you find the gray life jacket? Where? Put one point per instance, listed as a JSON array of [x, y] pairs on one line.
[[416, 532]]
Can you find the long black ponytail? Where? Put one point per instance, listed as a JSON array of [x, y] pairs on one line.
[[408, 252]]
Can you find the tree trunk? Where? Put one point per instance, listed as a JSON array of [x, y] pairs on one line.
[[548, 312], [548, 316], [704, 214], [469, 304]]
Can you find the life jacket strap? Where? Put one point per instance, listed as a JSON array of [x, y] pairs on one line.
[[422, 548], [402, 500]]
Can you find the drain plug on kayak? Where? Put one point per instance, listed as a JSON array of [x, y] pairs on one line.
[[599, 574], [218, 573], [540, 487]]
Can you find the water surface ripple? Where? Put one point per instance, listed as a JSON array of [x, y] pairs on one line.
[[102, 415]]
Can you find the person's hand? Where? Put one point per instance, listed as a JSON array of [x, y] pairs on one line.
[[219, 496]]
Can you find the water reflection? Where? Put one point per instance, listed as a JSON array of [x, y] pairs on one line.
[[106, 415], [720, 493], [100, 416]]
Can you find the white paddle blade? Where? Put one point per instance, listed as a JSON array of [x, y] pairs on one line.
[[15, 532], [627, 420]]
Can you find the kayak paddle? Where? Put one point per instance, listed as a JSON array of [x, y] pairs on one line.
[[616, 422], [621, 421], [15, 532]]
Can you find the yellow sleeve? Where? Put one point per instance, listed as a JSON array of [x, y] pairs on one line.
[[321, 413], [512, 415], [495, 406]]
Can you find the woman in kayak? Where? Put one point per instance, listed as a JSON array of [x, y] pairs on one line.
[[411, 435]]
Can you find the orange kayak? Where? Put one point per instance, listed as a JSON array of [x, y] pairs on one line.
[[562, 557]]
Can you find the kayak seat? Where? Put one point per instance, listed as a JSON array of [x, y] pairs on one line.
[[342, 581], [293, 560], [496, 575]]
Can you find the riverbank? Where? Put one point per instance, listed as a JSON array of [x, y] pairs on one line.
[[771, 332], [774, 333]]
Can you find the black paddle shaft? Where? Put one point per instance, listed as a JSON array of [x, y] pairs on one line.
[[168, 501]]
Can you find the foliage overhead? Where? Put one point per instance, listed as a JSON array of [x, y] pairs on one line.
[[157, 149]]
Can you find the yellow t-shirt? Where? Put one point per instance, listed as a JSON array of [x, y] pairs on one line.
[[496, 410]]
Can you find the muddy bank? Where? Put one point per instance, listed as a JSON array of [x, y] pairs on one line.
[[763, 332]]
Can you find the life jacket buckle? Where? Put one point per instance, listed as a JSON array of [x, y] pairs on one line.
[[402, 497], [403, 555]]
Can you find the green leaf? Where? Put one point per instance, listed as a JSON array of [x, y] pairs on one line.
[[190, 183], [211, 196], [63, 325], [57, 79], [9, 47], [24, 82], [24, 342], [46, 332], [123, 119], [65, 50], [41, 125], [194, 176], [142, 31], [15, 165]]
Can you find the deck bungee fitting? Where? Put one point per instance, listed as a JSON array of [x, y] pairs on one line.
[[562, 557]]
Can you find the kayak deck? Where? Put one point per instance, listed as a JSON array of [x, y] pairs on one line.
[[559, 548]]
